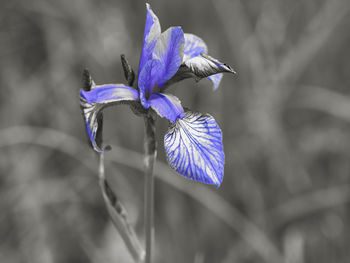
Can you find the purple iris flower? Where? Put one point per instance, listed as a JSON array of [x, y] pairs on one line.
[[193, 143]]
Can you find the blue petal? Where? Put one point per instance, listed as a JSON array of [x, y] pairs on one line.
[[109, 93], [194, 148], [194, 46], [167, 106], [151, 34], [92, 102], [216, 79], [169, 51], [147, 80]]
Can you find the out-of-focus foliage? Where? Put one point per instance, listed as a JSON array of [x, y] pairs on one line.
[[285, 120]]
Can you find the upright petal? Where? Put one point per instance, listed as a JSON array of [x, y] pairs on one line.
[[194, 148], [151, 35], [147, 80], [167, 106], [194, 46], [92, 102], [169, 51]]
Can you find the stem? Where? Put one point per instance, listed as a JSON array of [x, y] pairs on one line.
[[150, 156], [118, 215]]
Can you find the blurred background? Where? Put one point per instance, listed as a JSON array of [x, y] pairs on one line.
[[285, 119]]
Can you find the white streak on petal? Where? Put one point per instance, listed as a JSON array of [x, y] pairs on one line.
[[151, 34], [155, 28]]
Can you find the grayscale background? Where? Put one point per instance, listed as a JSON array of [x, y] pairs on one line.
[[285, 118]]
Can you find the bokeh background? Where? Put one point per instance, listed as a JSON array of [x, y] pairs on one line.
[[285, 118]]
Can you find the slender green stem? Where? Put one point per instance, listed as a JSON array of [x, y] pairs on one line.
[[119, 216], [150, 156]]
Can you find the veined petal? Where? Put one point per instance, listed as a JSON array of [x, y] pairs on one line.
[[151, 35], [194, 46], [216, 79], [194, 148], [166, 105], [92, 102], [200, 67], [147, 80], [204, 66], [169, 51]]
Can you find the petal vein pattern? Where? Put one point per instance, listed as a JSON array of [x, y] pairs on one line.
[[200, 67], [194, 148]]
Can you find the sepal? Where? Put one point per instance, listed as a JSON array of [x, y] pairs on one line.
[[92, 102], [194, 148]]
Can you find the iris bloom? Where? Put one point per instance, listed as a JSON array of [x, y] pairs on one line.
[[193, 143]]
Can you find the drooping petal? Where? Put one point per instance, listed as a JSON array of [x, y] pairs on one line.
[[166, 105], [194, 46], [204, 66], [147, 80], [151, 35], [107, 93], [216, 79], [194, 148], [92, 102], [200, 67], [169, 51]]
